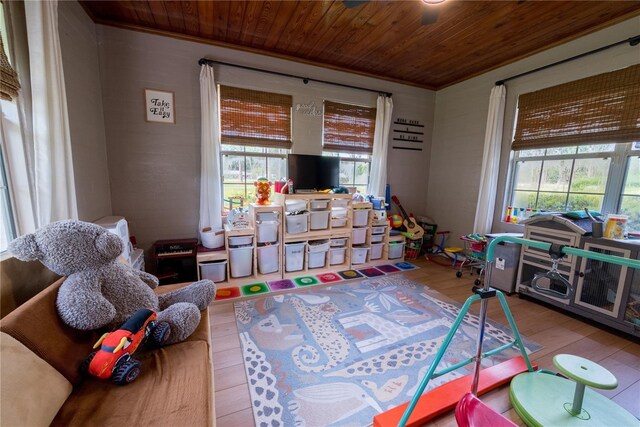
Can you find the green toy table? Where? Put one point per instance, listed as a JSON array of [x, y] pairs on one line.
[[543, 399]]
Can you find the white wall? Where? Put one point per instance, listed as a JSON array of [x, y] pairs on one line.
[[461, 114], [79, 46], [154, 168]]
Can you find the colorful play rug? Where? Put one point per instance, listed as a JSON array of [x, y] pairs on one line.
[[310, 280], [341, 354]]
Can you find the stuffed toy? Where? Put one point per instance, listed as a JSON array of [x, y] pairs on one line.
[[101, 292]]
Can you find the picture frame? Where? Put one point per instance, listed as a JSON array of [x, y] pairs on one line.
[[159, 106]]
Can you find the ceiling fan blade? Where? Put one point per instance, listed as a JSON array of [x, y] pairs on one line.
[[349, 4], [430, 16]]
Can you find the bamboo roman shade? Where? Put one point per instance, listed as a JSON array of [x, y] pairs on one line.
[[348, 128], [595, 110], [251, 117]]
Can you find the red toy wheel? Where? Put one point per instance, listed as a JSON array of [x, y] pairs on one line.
[[127, 372]]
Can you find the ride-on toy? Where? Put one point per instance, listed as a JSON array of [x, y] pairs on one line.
[[114, 357]]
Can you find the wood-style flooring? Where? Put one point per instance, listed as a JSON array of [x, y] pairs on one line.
[[556, 331]]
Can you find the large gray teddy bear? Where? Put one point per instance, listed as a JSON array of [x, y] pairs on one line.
[[100, 291]]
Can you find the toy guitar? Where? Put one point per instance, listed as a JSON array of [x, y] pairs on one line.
[[409, 222]]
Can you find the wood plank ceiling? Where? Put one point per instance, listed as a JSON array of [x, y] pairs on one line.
[[383, 39]]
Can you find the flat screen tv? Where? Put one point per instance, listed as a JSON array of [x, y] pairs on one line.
[[313, 173]]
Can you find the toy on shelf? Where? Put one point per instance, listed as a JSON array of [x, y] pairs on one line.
[[113, 359], [263, 191]]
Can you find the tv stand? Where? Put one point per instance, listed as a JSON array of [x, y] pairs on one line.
[[305, 192]]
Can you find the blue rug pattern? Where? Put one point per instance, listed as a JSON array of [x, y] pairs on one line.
[[339, 355]]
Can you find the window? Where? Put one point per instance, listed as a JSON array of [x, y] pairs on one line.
[[348, 134], [255, 132], [576, 146]]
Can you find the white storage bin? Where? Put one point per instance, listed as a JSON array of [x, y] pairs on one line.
[[267, 231], [318, 245], [338, 213], [317, 253], [396, 249], [241, 261], [239, 241], [268, 259], [317, 205], [378, 230], [336, 255], [376, 250], [213, 238], [359, 255], [295, 205], [377, 238], [359, 235], [294, 256], [338, 243], [214, 270], [297, 223], [319, 220], [267, 216], [360, 217], [340, 203], [338, 222]]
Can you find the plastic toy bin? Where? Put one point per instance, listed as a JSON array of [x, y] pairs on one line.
[[268, 259], [267, 231], [337, 255], [294, 256], [359, 235], [319, 220], [297, 224], [376, 250], [317, 253], [215, 271], [396, 249], [241, 261], [359, 254], [360, 217]]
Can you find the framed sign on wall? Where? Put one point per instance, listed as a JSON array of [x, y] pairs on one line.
[[159, 106]]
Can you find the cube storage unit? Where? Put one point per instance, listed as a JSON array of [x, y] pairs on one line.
[[318, 240]]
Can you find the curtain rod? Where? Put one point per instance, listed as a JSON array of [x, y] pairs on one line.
[[305, 80], [633, 41]]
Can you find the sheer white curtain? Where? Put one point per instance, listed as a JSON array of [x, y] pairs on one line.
[[210, 173], [490, 162], [55, 193], [378, 176]]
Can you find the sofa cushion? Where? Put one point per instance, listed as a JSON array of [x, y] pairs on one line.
[[174, 389], [32, 390], [37, 325]]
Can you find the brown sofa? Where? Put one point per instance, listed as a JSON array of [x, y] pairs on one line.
[[41, 383]]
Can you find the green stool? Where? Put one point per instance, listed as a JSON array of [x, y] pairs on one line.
[[542, 399]]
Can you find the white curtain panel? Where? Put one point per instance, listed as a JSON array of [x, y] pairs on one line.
[[210, 173], [55, 193], [378, 175], [490, 162]]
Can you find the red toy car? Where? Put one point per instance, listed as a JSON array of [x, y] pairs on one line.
[[114, 357]]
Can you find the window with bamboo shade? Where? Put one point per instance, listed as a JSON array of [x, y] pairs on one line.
[[348, 128], [254, 118], [600, 109]]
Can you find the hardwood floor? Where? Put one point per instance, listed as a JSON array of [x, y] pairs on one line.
[[556, 331]]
